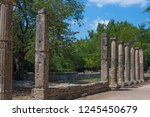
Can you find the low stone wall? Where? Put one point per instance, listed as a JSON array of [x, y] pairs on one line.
[[73, 75], [63, 91], [53, 76], [147, 76], [72, 91]]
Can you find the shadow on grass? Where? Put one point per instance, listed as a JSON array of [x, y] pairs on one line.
[[77, 81]]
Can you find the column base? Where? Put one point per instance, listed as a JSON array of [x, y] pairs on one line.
[[113, 86], [40, 94], [6, 95], [142, 80], [127, 83], [132, 82], [121, 85], [139, 81], [135, 82]]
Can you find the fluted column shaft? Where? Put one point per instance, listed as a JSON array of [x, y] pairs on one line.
[[137, 67], [132, 70], [120, 64], [113, 76], [141, 59], [127, 64], [104, 58], [6, 50]]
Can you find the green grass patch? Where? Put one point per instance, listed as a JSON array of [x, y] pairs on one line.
[[78, 81]]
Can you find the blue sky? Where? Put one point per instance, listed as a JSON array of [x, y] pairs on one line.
[[102, 11]]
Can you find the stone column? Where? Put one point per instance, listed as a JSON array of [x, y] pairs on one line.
[[141, 64], [120, 64], [41, 56], [137, 69], [132, 69], [113, 75], [104, 58], [127, 64], [6, 49]]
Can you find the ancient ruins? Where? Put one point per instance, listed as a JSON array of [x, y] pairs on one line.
[[41, 56], [6, 49], [126, 60], [125, 70]]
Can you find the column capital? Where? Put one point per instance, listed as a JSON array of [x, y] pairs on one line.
[[42, 11], [141, 48], [137, 48], [132, 46], [120, 42], [126, 44], [113, 38], [6, 1], [104, 35]]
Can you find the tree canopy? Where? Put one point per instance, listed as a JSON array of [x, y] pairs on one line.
[[66, 53], [60, 12]]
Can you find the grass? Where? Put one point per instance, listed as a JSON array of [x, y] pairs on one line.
[[78, 81]]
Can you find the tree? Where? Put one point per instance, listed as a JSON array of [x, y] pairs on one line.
[[59, 11], [24, 28], [123, 31]]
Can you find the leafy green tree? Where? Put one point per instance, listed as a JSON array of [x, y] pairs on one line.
[[60, 35], [123, 31], [24, 28]]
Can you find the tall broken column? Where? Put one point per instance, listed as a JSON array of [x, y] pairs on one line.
[[120, 64], [141, 59], [127, 64], [41, 56], [6, 49], [137, 67], [132, 69], [104, 58], [113, 75]]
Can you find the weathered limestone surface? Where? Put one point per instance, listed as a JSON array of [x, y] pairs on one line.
[[73, 91], [132, 69], [120, 64], [141, 64], [41, 56], [127, 64], [137, 69], [6, 50], [113, 74], [104, 58], [9, 2]]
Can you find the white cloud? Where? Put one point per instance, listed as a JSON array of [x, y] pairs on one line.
[[147, 19], [122, 3], [74, 22], [95, 23]]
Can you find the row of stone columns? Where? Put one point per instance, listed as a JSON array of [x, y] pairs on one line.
[[126, 63], [132, 73]]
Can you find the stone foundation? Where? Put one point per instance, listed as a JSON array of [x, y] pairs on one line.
[[73, 91], [63, 91]]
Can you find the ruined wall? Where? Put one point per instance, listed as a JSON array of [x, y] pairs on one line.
[[66, 76]]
